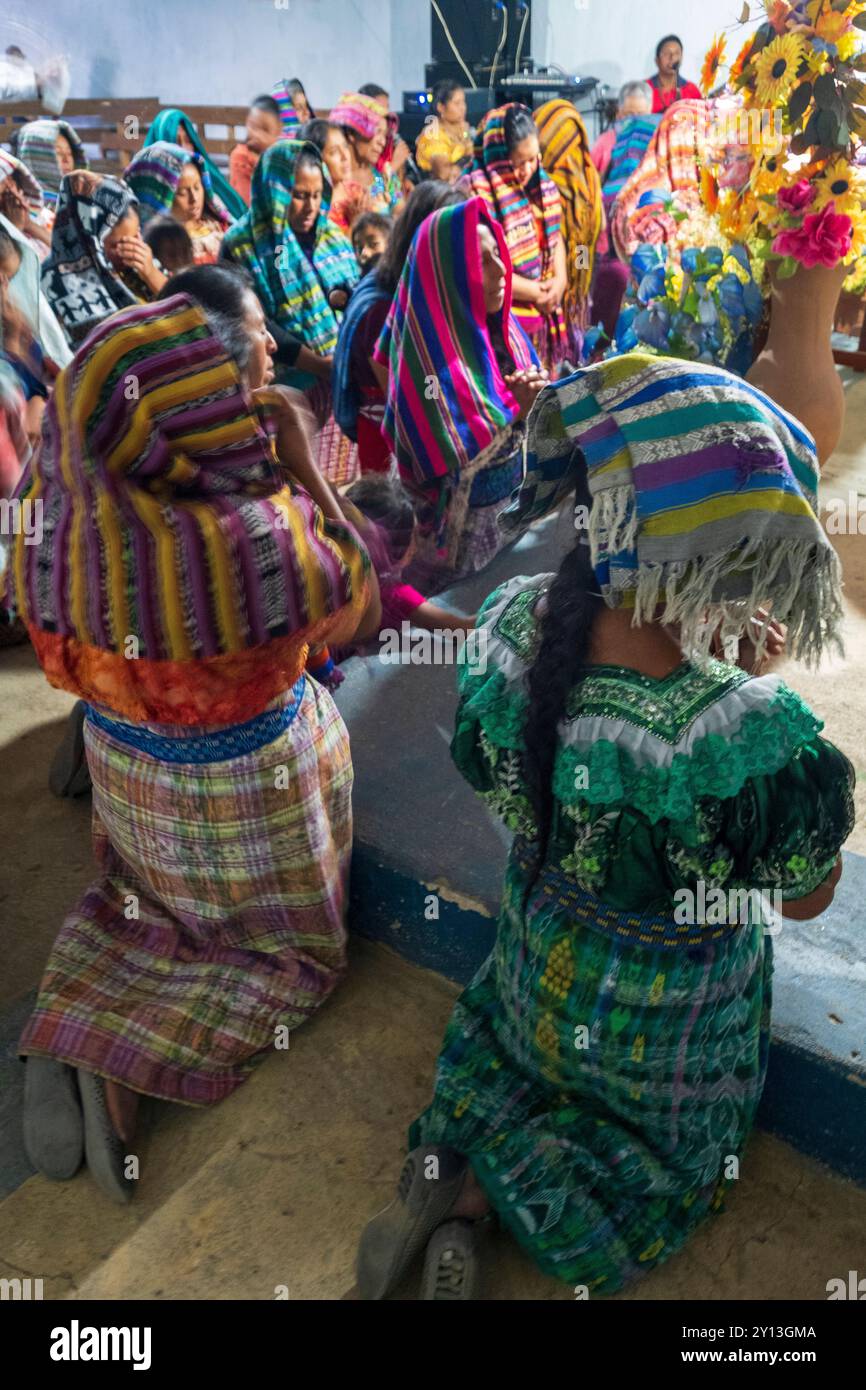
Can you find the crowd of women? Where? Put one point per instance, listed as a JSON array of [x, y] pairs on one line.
[[265, 413]]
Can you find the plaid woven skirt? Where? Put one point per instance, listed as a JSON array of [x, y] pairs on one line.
[[218, 913], [603, 1091]]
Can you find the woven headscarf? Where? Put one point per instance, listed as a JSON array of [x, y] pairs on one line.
[[25, 290], [493, 179], [13, 168], [292, 291], [672, 164], [178, 579], [447, 397], [79, 281], [704, 498], [166, 125], [154, 173], [362, 114], [36, 141], [633, 134], [565, 153], [288, 115]]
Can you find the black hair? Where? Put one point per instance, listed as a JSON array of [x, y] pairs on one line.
[[519, 125], [266, 103], [311, 159], [170, 242], [223, 293], [668, 38], [295, 87], [385, 502], [426, 198], [370, 89], [377, 221], [444, 91], [316, 131], [572, 605]]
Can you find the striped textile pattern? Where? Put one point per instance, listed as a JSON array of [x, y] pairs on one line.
[[633, 134], [288, 115], [154, 173], [447, 398], [166, 125], [672, 164], [167, 522], [565, 153], [704, 494], [293, 291], [240, 880], [36, 141]]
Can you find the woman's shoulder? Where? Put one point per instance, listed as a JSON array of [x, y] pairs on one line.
[[509, 618]]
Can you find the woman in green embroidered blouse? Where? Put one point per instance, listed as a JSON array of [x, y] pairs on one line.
[[605, 1065]]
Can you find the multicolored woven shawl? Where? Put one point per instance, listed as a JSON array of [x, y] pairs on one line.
[[531, 239], [704, 498], [288, 115], [12, 168], [179, 579], [36, 141], [633, 135], [565, 153], [672, 164], [166, 125], [154, 173], [447, 397], [79, 281], [293, 291]]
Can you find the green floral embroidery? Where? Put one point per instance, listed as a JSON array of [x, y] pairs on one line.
[[507, 798], [593, 847]]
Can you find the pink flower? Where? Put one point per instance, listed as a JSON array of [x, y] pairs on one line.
[[824, 239], [796, 198]]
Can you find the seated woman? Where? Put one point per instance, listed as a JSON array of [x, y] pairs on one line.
[[524, 200], [50, 149], [295, 108], [168, 180], [22, 203], [359, 396], [460, 376], [21, 270], [349, 199], [264, 128], [396, 151], [606, 1063], [98, 261], [671, 168], [176, 128], [444, 147], [565, 154], [224, 556], [365, 127], [303, 270]]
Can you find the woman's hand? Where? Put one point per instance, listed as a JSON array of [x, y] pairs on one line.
[[83, 182], [134, 252], [747, 659], [526, 386]]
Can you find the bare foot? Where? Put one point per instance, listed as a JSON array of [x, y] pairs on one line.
[[122, 1109], [472, 1202]]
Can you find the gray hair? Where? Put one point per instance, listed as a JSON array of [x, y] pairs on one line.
[[636, 89]]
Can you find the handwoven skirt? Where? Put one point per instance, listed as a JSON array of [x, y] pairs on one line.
[[603, 1091], [217, 919]]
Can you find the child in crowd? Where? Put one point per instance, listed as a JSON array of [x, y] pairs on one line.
[[370, 238], [264, 128], [170, 244]]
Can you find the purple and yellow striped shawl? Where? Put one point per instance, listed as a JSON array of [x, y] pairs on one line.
[[293, 291], [175, 562], [447, 397], [154, 173], [704, 497]]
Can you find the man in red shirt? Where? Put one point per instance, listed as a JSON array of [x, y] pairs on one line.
[[667, 84]]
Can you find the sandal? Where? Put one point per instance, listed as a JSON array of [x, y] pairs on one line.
[[450, 1264], [69, 775], [398, 1234], [53, 1123], [104, 1150]]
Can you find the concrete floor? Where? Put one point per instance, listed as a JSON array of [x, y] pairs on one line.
[[273, 1187]]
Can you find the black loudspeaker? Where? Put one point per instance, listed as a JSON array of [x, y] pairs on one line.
[[476, 28]]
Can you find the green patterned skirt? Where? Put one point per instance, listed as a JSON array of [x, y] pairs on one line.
[[602, 1090]]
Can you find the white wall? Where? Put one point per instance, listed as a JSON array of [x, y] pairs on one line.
[[199, 51], [615, 40]]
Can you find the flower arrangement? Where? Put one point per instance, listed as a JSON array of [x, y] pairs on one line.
[[704, 309], [803, 202]]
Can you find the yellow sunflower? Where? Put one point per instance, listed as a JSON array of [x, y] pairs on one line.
[[712, 63], [858, 231], [841, 185], [768, 175], [776, 68]]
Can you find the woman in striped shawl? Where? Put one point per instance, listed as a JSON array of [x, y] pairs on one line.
[[50, 149], [170, 181], [508, 174], [460, 377], [189, 560], [600, 1075], [303, 269]]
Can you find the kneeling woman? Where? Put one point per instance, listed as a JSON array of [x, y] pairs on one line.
[[460, 376], [607, 1061], [182, 577]]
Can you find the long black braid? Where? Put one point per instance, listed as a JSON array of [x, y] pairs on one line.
[[573, 604]]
